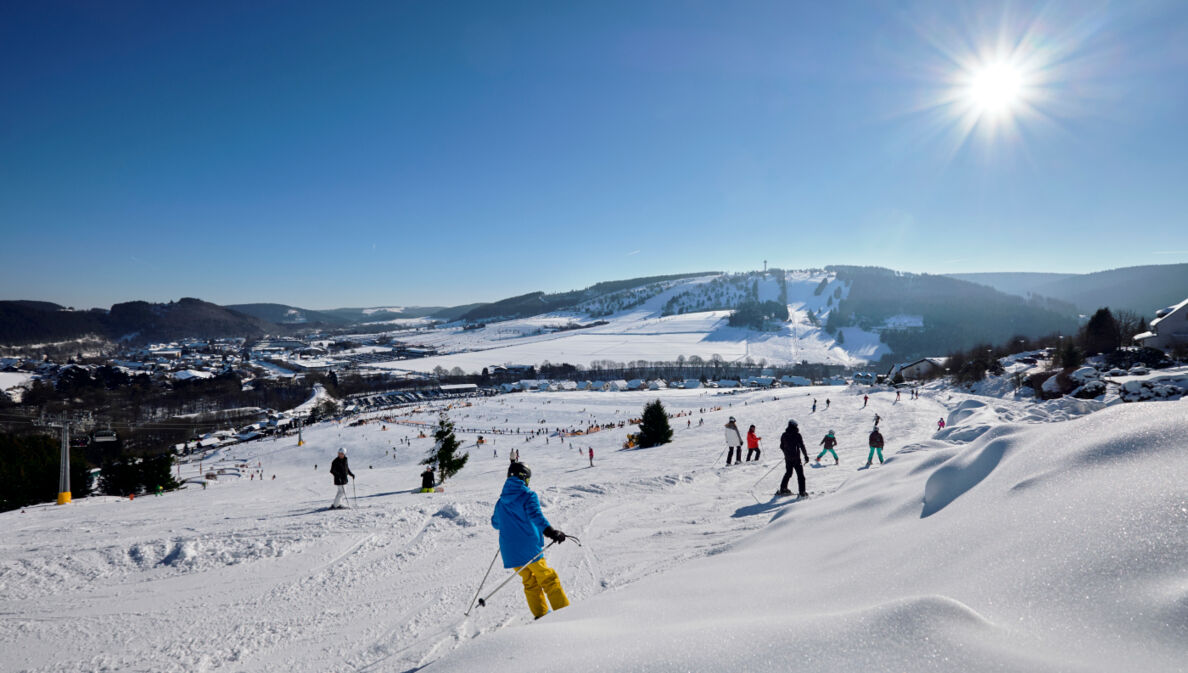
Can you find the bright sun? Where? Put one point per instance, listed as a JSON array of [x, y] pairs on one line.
[[996, 88]]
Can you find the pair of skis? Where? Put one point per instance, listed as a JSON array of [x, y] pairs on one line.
[[482, 602]]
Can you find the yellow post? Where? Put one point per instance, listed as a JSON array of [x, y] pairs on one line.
[[64, 474]]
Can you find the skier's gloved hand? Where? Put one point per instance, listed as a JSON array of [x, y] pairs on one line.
[[554, 535]]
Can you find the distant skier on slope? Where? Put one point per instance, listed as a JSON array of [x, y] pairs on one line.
[[792, 444], [734, 441], [829, 442], [865, 399], [427, 480], [940, 424], [752, 443], [876, 445], [521, 524], [340, 470]]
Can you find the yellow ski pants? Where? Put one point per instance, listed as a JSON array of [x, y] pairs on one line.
[[539, 581]]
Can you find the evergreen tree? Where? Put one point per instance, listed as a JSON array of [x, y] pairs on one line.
[[841, 337], [119, 476], [1101, 334], [654, 429], [157, 471], [1068, 356], [444, 453], [29, 469]]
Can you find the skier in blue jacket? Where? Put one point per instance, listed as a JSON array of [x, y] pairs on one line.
[[522, 528]]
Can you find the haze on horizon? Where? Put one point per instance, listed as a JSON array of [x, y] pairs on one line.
[[379, 154]]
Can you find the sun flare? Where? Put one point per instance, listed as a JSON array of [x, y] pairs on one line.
[[996, 88]]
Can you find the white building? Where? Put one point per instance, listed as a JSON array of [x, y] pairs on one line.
[[919, 369], [1169, 328]]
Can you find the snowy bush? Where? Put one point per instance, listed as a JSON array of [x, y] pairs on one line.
[[1090, 390], [1140, 391]]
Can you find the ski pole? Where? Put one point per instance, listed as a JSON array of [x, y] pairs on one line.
[[483, 601], [773, 467], [480, 587], [356, 491], [719, 457], [752, 491]]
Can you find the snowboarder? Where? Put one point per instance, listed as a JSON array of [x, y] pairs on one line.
[[876, 445], [752, 443], [340, 470], [877, 418], [792, 444], [734, 441], [829, 442], [940, 424], [427, 480], [521, 524]]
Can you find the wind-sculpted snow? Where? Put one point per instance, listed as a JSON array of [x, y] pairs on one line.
[[1051, 546], [965, 471]]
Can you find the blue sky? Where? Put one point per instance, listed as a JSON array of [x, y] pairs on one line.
[[435, 153]]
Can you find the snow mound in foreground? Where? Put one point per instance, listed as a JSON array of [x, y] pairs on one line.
[[1051, 547]]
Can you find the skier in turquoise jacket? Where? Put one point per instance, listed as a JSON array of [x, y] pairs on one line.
[[522, 528]]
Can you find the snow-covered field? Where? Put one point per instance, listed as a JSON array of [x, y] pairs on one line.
[[644, 333], [1024, 537], [13, 379]]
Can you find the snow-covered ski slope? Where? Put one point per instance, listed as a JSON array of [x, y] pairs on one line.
[[643, 332], [1024, 537]]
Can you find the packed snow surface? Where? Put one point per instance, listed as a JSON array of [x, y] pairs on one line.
[[1023, 537]]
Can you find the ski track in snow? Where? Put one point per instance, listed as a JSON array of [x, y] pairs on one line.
[[255, 576]]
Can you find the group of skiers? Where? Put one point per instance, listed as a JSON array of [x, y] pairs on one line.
[[522, 525], [793, 447]]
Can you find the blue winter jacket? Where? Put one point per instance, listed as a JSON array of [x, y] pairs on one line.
[[520, 523]]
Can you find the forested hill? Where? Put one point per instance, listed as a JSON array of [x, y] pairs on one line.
[[956, 314], [1141, 289], [535, 303], [282, 314], [23, 322]]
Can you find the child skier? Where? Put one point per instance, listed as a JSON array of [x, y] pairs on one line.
[[876, 444], [752, 443], [829, 442], [521, 525]]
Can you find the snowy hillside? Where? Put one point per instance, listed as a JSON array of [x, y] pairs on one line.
[[664, 321], [1025, 537]]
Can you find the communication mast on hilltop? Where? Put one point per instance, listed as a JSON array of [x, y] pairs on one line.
[[80, 422], [765, 266]]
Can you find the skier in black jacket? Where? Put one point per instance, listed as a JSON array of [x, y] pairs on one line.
[[340, 470], [792, 444]]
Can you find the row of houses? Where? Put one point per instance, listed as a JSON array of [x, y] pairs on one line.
[[619, 385]]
